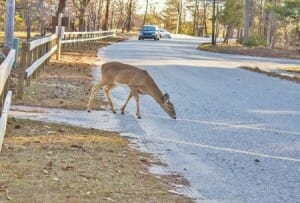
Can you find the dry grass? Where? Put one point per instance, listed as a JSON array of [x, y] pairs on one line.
[[234, 48], [291, 69], [296, 78], [42, 162], [65, 83]]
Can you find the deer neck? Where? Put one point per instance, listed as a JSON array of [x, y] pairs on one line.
[[155, 92]]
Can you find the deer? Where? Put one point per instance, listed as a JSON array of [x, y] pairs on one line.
[[139, 82]]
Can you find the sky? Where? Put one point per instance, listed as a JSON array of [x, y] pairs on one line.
[[159, 4]]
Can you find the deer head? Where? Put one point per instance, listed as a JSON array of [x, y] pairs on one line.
[[167, 106]]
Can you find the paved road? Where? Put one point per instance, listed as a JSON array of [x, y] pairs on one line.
[[238, 133], [237, 136]]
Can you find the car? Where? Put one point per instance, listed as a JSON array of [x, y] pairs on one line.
[[149, 32], [164, 34]]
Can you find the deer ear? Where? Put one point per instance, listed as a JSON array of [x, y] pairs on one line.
[[166, 97]]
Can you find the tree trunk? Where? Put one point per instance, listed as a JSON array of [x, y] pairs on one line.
[[196, 18], [107, 10], [112, 19], [227, 35], [218, 19], [61, 7], [204, 18], [246, 21], [28, 32], [179, 15], [100, 6], [213, 36], [145, 15], [128, 27], [81, 23], [261, 21]]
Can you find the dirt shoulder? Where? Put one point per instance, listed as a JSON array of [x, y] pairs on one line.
[[44, 162], [250, 51], [287, 73]]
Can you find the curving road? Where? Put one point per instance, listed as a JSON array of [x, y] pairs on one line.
[[237, 136]]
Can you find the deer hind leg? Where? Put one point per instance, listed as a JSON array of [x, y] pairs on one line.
[[93, 92], [134, 93], [107, 92], [124, 106]]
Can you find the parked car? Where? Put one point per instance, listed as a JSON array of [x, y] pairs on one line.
[[149, 32], [164, 34]]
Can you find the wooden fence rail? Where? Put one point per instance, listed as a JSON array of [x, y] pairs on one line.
[[34, 55], [75, 37], [38, 52], [5, 95]]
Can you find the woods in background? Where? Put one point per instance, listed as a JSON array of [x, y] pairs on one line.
[[271, 23]]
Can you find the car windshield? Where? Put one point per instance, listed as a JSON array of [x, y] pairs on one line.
[[148, 28]]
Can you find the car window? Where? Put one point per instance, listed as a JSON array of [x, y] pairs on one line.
[[148, 28]]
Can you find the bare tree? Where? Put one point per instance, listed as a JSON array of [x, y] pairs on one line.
[[204, 23], [61, 7], [179, 16], [120, 15], [246, 21], [146, 10], [80, 6], [129, 15], [107, 10], [94, 14], [29, 10]]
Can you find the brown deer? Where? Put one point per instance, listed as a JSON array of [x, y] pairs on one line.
[[139, 82]]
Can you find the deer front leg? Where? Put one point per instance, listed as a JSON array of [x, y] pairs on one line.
[[124, 106], [93, 92], [136, 96], [107, 92]]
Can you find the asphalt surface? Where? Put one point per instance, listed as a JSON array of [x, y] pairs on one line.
[[237, 136]]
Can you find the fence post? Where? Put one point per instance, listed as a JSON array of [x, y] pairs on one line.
[[16, 47], [22, 68], [59, 34]]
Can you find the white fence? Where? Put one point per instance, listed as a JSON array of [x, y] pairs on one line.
[[5, 95], [35, 54]]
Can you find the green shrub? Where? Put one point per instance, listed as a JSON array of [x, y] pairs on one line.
[[255, 40]]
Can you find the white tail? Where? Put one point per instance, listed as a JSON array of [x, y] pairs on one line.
[[139, 82]]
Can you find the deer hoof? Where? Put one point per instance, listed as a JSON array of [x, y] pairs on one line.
[[139, 117], [89, 110]]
